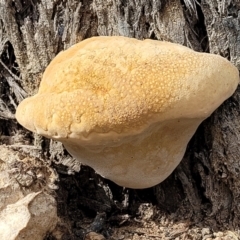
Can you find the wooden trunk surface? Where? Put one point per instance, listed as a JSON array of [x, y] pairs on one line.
[[206, 185]]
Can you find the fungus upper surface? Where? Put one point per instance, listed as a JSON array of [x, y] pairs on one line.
[[122, 85]]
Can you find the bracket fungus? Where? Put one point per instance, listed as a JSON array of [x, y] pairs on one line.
[[126, 107]]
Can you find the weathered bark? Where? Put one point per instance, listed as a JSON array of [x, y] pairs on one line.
[[205, 186]]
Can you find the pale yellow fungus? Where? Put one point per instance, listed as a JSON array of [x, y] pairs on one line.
[[127, 107]]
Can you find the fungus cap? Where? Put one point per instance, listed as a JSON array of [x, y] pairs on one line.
[[126, 107]]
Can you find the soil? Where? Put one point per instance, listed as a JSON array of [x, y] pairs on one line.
[[93, 208]]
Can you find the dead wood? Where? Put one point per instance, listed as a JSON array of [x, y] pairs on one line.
[[206, 184]]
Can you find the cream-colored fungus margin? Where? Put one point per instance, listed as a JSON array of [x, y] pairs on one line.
[[127, 107]]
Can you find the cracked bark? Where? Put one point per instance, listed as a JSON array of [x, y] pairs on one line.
[[33, 32]]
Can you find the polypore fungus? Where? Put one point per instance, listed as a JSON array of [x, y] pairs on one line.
[[125, 107]]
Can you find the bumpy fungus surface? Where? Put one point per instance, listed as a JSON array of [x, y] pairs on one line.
[[126, 107]]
